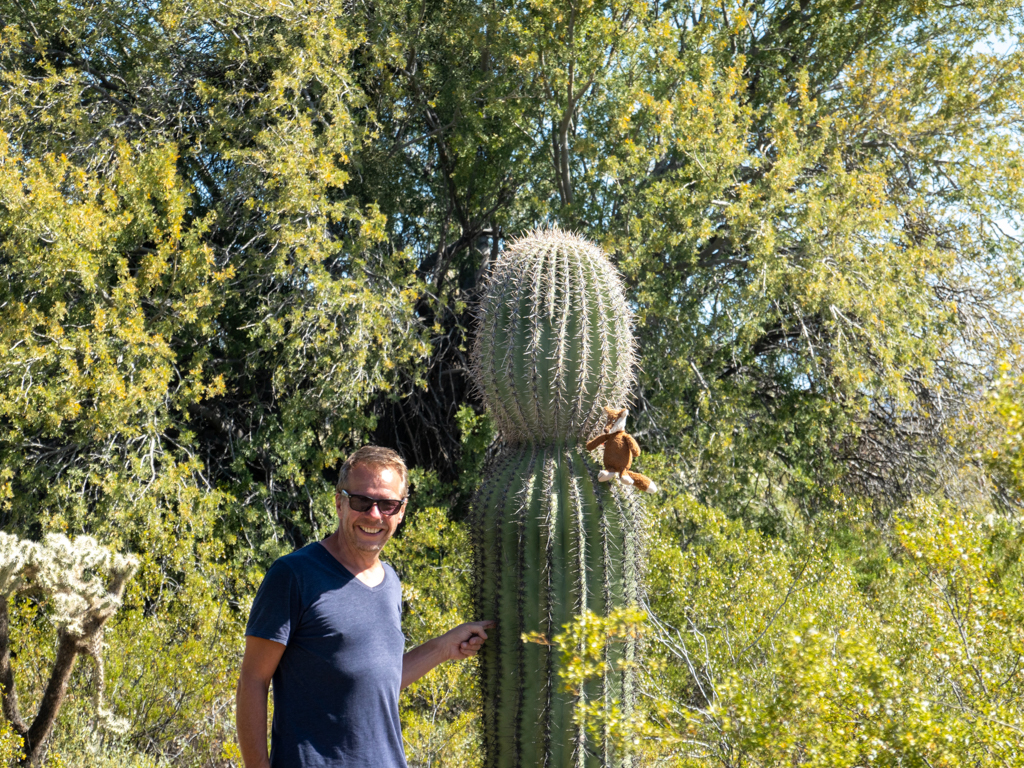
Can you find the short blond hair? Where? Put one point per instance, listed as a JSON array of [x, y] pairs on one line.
[[374, 456]]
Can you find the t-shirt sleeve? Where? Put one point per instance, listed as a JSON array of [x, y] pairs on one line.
[[275, 611]]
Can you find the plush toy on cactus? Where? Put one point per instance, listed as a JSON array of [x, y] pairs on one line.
[[553, 347], [620, 449]]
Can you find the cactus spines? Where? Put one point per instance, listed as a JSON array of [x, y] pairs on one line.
[[553, 347], [84, 583], [553, 344]]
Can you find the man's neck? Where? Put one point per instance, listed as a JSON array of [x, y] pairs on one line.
[[365, 566]]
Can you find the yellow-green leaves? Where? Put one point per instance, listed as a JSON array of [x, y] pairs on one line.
[[840, 646], [439, 711], [184, 263], [75, 331], [1006, 456]]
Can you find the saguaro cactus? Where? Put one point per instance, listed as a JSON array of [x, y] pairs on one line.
[[553, 346]]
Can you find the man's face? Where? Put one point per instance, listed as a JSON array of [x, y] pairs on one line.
[[367, 531]]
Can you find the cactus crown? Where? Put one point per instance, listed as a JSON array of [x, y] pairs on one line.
[[553, 343]]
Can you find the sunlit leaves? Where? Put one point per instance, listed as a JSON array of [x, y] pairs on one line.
[[1006, 457], [826, 650], [439, 711]]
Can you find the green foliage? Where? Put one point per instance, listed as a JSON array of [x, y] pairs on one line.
[[193, 316], [477, 433], [1006, 457], [173, 675], [258, 218], [239, 238], [814, 208], [770, 653], [10, 745], [439, 711]]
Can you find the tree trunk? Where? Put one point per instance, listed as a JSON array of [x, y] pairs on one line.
[[56, 689], [10, 693]]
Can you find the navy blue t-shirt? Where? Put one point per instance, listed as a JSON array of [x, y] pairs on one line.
[[336, 687]]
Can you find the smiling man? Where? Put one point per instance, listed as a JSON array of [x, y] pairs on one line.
[[325, 627]]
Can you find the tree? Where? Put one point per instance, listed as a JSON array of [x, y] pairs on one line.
[[815, 217], [195, 313], [1005, 456], [816, 206]]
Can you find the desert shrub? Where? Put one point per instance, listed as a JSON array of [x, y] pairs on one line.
[[170, 677], [432, 556], [826, 649], [77, 744], [175, 678]]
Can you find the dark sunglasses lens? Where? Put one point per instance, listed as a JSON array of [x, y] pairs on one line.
[[359, 503], [365, 504]]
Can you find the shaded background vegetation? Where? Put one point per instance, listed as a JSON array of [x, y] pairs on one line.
[[239, 239]]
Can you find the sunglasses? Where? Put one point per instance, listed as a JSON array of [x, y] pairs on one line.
[[365, 503]]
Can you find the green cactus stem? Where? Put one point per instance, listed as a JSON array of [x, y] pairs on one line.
[[554, 345]]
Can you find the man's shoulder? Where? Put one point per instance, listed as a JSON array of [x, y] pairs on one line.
[[301, 563], [300, 557]]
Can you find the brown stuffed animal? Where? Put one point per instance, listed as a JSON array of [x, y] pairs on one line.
[[619, 451]]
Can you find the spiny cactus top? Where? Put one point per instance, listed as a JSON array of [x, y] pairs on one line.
[[554, 343]]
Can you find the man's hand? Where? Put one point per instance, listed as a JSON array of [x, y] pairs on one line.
[[457, 644], [465, 640]]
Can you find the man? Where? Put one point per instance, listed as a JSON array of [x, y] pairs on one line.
[[326, 628]]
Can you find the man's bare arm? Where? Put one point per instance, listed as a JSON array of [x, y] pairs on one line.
[[457, 644], [258, 666]]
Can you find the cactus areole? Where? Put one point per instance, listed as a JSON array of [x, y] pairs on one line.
[[553, 347]]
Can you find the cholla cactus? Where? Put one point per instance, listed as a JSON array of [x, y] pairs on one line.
[[83, 582], [553, 347], [14, 555]]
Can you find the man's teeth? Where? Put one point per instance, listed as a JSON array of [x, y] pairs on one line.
[[370, 530]]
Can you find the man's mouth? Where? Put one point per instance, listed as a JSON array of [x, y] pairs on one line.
[[373, 531]]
